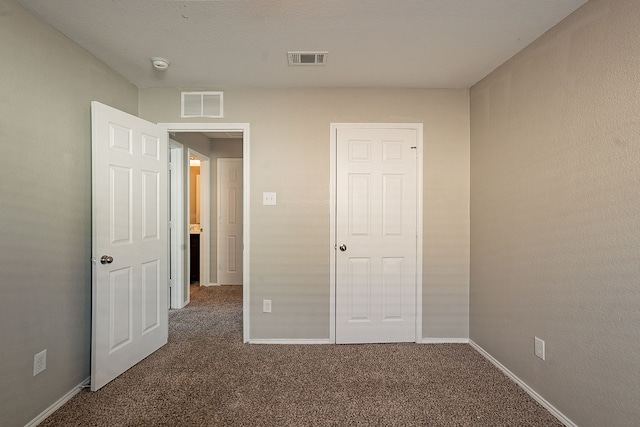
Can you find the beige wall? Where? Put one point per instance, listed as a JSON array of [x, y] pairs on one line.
[[194, 173], [195, 140], [555, 237], [46, 85], [290, 155]]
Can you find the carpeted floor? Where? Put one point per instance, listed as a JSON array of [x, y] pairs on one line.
[[206, 376]]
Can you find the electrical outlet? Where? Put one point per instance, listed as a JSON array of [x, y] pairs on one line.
[[269, 198], [266, 306], [539, 348], [39, 362]]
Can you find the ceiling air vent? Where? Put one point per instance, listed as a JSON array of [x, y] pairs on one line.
[[202, 104], [307, 58]]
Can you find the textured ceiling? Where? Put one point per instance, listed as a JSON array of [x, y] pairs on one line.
[[244, 43]]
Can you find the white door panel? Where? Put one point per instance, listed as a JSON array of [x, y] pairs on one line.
[[376, 226], [230, 221], [178, 295], [130, 219]]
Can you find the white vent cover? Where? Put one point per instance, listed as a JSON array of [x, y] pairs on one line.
[[307, 58], [202, 104]]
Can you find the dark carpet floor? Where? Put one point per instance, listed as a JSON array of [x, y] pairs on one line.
[[206, 376]]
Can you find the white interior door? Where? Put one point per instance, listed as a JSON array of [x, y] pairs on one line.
[[179, 296], [376, 235], [230, 221], [130, 243]]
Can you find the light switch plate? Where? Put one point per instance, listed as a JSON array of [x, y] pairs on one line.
[[268, 198]]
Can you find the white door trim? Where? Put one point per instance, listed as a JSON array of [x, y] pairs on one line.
[[232, 127], [177, 251], [205, 212], [418, 127]]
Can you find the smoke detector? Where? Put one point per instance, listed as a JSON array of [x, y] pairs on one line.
[[159, 63], [307, 58]]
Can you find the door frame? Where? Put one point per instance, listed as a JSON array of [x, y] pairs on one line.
[[205, 212], [333, 156], [231, 127]]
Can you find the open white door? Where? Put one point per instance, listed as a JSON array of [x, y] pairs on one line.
[[179, 295], [130, 242]]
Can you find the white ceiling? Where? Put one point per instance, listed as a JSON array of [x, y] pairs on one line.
[[244, 43]]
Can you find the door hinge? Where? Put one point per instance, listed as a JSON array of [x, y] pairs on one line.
[[170, 225], [170, 166]]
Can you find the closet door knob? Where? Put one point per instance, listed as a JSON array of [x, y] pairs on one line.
[[343, 248], [106, 259]]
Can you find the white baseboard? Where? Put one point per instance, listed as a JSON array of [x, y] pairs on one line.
[[289, 341], [443, 341], [327, 341], [217, 284], [531, 392], [64, 399]]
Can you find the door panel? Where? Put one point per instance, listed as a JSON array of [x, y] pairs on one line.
[[150, 212], [120, 308], [359, 290], [359, 205], [376, 221], [120, 207], [130, 225], [392, 286], [150, 292]]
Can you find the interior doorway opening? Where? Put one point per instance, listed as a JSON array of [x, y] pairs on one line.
[[195, 227], [222, 141], [199, 207]]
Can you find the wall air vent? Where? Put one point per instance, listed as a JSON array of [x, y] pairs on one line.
[[307, 58], [202, 104]]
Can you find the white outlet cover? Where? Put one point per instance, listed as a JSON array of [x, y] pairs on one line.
[[539, 348], [268, 198], [266, 306], [39, 362]]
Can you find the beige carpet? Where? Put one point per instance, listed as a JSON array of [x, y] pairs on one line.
[[206, 376]]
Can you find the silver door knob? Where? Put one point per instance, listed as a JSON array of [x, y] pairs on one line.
[[343, 248], [106, 259]]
